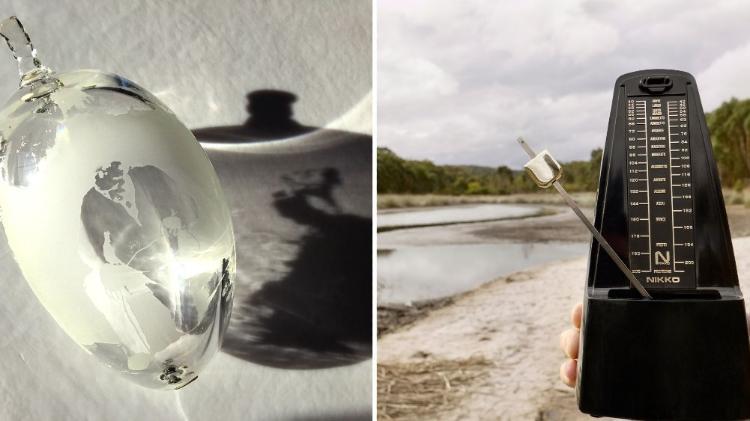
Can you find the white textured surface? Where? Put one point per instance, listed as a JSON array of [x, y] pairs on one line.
[[201, 59]]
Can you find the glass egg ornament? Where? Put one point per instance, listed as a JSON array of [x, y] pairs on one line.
[[116, 219]]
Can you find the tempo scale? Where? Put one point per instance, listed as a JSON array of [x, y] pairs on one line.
[[659, 189]]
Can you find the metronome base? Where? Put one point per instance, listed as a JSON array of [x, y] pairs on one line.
[[685, 358]]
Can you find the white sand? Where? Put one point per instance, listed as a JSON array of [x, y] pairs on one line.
[[514, 321]]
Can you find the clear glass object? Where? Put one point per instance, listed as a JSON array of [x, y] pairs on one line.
[[116, 218]]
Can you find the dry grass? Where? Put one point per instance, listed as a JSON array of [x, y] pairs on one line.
[[393, 317], [395, 201], [421, 390]]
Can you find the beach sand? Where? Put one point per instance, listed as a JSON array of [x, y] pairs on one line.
[[513, 323]]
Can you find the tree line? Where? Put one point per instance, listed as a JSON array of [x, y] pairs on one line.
[[399, 175], [729, 126]]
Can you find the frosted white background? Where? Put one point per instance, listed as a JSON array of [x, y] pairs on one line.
[[202, 59]]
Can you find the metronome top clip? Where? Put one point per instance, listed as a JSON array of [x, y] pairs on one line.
[[546, 172]]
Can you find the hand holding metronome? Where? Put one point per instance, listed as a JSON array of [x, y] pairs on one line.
[[569, 343], [662, 332]]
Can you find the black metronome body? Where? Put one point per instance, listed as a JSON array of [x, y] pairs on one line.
[[685, 353]]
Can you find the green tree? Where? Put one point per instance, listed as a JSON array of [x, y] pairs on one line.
[[729, 126]]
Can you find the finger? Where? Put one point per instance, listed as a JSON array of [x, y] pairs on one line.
[[576, 314], [569, 340], [568, 372]]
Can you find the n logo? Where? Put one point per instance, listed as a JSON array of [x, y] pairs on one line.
[[662, 257]]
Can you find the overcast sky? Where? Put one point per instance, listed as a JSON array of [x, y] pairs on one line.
[[459, 81]]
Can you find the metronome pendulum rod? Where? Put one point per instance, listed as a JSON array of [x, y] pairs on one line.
[[554, 171]]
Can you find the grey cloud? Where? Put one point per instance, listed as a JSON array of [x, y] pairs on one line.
[[540, 69]]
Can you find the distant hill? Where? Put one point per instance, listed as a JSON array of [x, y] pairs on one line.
[[477, 170]]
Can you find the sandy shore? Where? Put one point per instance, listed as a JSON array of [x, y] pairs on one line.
[[514, 323]]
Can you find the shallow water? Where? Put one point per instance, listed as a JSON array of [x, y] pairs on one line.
[[454, 214], [408, 274]]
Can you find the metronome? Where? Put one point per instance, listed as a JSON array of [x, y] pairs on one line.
[[663, 336]]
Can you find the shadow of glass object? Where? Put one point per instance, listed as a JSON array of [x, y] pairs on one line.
[[270, 118], [302, 219], [323, 305]]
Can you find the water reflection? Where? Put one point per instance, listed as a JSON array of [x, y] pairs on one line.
[[407, 274], [453, 215]]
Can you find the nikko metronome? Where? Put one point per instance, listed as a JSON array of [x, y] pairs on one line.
[[664, 333], [683, 354]]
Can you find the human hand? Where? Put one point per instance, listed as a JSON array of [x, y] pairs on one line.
[[569, 342]]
